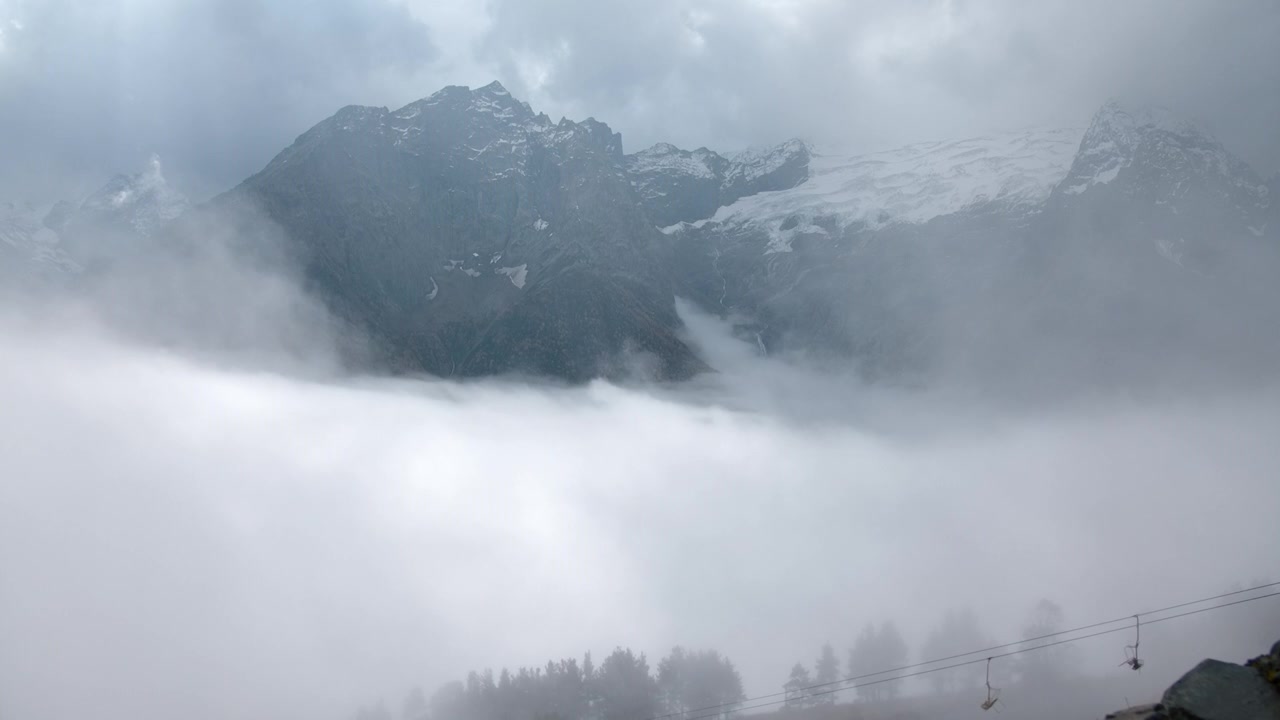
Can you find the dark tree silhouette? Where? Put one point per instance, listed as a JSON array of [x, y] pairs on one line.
[[875, 651], [1047, 666], [958, 632], [893, 653], [826, 671], [620, 688], [797, 694], [689, 680], [624, 687]]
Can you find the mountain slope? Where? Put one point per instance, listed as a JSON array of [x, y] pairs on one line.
[[861, 259], [1111, 255], [1155, 252], [476, 237], [29, 249]]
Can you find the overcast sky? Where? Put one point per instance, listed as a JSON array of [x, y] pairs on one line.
[[217, 87], [182, 536]]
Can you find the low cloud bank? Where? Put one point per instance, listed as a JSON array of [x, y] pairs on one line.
[[203, 514], [183, 536]]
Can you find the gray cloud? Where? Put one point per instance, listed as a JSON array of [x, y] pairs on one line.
[[872, 74], [217, 88], [180, 536]]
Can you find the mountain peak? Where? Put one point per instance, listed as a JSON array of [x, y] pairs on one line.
[[492, 99], [142, 201], [1150, 162], [1117, 117], [662, 148], [1122, 135], [493, 88], [493, 92]]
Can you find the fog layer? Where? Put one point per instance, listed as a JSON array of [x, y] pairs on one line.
[[182, 537]]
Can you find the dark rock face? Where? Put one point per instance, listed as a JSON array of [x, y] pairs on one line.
[[475, 237], [1216, 690], [1154, 247], [1148, 190]]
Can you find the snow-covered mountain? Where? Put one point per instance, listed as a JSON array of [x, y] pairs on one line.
[[469, 235], [913, 184], [114, 219], [1129, 242], [54, 241], [142, 202]]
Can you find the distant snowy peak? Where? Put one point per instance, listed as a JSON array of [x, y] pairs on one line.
[[26, 237], [665, 159], [682, 185], [67, 237], [1151, 143], [754, 163], [912, 184], [141, 202]]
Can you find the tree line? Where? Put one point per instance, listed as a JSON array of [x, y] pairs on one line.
[[881, 648], [622, 687], [704, 684]]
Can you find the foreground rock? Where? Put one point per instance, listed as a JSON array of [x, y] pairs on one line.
[[1216, 690]]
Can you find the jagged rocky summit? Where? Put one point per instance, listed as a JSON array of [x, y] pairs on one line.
[[61, 240]]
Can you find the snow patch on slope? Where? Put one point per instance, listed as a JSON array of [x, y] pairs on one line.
[[516, 274], [913, 184], [1171, 250]]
